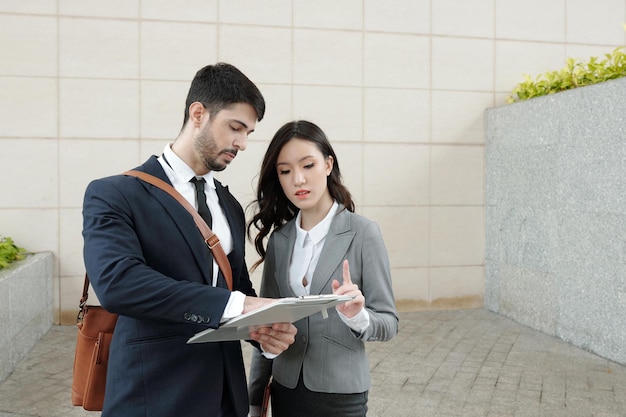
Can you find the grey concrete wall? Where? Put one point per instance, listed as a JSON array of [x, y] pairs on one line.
[[556, 215], [26, 303]]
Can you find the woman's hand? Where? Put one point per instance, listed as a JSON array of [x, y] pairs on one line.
[[275, 339], [354, 306]]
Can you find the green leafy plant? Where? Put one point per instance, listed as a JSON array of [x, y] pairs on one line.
[[9, 252], [574, 74]]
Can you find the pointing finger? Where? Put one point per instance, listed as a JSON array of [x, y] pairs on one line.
[[346, 273]]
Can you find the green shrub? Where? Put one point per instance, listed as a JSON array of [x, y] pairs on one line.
[[574, 74], [9, 252]]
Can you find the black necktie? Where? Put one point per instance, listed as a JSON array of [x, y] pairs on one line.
[[203, 209]]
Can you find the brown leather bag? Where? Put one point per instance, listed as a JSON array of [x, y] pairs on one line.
[[96, 325], [95, 330], [267, 392]]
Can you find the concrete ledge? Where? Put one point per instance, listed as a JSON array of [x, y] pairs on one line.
[[555, 226], [26, 305]]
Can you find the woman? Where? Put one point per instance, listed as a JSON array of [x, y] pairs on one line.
[[317, 240]]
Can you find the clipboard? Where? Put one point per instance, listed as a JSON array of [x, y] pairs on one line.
[[284, 310]]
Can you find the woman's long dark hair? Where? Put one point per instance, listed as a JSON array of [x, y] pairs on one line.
[[273, 208]]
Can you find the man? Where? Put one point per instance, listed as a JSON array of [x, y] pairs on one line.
[[147, 262]]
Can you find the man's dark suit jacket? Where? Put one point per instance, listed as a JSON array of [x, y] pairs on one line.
[[147, 262]]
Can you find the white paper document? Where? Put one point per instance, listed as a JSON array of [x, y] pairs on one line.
[[284, 310]]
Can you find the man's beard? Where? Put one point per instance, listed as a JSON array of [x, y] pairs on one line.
[[204, 143]]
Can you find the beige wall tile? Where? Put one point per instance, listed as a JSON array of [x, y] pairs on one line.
[[402, 105], [450, 17], [30, 169], [457, 282], [147, 148], [278, 110], [602, 23], [71, 290], [28, 52], [82, 161], [411, 16], [457, 117], [396, 60], [71, 242], [97, 48], [457, 236], [500, 98], [405, 231], [33, 6], [410, 284], [514, 20], [396, 115], [450, 64], [328, 57], [176, 51], [162, 108], [251, 49], [20, 115], [336, 110], [330, 14], [395, 175], [34, 229], [584, 52], [111, 8], [56, 301], [514, 59], [270, 12], [457, 175], [99, 108], [350, 157], [190, 10]]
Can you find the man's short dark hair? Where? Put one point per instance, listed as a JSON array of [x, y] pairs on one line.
[[220, 86]]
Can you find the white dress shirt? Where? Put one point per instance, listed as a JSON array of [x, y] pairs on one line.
[[179, 174]]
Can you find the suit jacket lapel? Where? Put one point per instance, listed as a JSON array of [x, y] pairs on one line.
[[284, 240], [180, 216], [230, 211], [336, 246]]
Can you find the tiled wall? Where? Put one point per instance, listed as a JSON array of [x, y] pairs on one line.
[[90, 88]]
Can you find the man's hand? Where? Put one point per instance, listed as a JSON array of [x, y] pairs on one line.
[[354, 306], [273, 339], [254, 303]]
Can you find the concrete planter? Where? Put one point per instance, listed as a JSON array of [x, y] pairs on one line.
[[26, 305], [556, 215]]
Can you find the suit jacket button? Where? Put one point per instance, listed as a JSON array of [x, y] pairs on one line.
[[194, 318], [186, 316], [304, 339]]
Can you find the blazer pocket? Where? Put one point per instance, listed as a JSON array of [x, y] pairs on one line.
[[339, 344], [154, 339]]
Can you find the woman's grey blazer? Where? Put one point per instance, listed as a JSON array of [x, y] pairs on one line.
[[331, 356]]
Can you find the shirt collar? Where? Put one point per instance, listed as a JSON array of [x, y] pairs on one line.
[[319, 231], [182, 170]]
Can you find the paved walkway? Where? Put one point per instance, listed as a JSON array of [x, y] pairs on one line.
[[466, 363]]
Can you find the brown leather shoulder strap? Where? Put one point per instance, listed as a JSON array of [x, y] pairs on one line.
[[83, 300], [210, 238]]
